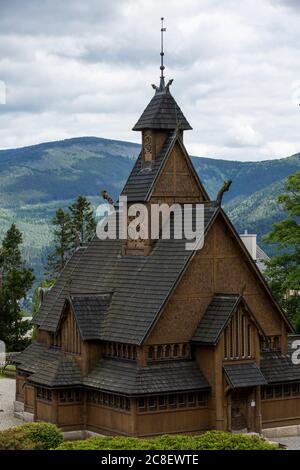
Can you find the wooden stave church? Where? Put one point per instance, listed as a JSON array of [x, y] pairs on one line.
[[142, 337]]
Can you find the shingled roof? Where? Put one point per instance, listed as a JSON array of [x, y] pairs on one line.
[[215, 318], [36, 357], [143, 174], [278, 368], [89, 311], [128, 378], [64, 279], [63, 372], [244, 375], [140, 285], [162, 113], [141, 180]]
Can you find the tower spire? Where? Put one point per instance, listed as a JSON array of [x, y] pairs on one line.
[[162, 67]]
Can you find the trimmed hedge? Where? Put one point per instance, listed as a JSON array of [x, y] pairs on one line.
[[31, 436], [211, 440]]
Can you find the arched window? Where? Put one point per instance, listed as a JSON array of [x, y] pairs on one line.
[[159, 352], [168, 351], [176, 350], [151, 352]]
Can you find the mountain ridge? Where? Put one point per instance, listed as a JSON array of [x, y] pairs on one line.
[[37, 179]]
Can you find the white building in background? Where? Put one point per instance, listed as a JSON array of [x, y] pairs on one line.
[[256, 252]]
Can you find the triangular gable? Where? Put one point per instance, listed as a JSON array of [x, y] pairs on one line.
[[217, 316], [145, 175], [184, 165], [250, 262]]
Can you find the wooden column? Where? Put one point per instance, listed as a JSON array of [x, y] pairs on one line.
[[35, 405], [258, 415], [228, 427], [133, 409], [55, 398]]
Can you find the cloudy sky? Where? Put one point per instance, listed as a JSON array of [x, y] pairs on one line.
[[75, 68]]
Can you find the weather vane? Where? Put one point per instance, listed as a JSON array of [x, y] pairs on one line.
[[162, 87], [162, 68]]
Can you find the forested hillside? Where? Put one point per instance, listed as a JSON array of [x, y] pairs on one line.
[[36, 180]]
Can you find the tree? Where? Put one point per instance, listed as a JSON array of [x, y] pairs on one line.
[[63, 241], [82, 219], [16, 280], [283, 270]]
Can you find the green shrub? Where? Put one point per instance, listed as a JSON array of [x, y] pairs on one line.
[[211, 440], [31, 436]]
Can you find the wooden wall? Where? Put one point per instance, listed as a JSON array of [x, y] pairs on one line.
[[108, 420], [29, 398], [219, 267], [177, 421], [20, 392], [280, 412], [176, 181]]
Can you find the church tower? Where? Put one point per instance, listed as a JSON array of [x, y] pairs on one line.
[[161, 116], [163, 172]]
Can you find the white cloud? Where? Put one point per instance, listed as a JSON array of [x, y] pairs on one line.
[[78, 68]]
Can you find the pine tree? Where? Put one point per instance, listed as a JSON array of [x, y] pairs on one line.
[[63, 241], [283, 270], [16, 280], [82, 220]]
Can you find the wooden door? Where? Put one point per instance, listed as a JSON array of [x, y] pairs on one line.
[[239, 411]]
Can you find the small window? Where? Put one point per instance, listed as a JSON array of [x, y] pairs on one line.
[[176, 350], [117, 401], [295, 390], [159, 352], [171, 401], [152, 403], [182, 400], [202, 399], [287, 390], [249, 340], [162, 402], [276, 343], [191, 399], [127, 404], [62, 397], [142, 404], [151, 353], [105, 399], [70, 396], [231, 339], [269, 392], [168, 351], [134, 352], [263, 393], [226, 343], [278, 391]]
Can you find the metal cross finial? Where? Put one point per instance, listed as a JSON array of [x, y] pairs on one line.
[[162, 68]]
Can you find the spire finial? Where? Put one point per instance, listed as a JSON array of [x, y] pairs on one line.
[[162, 68], [162, 88]]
